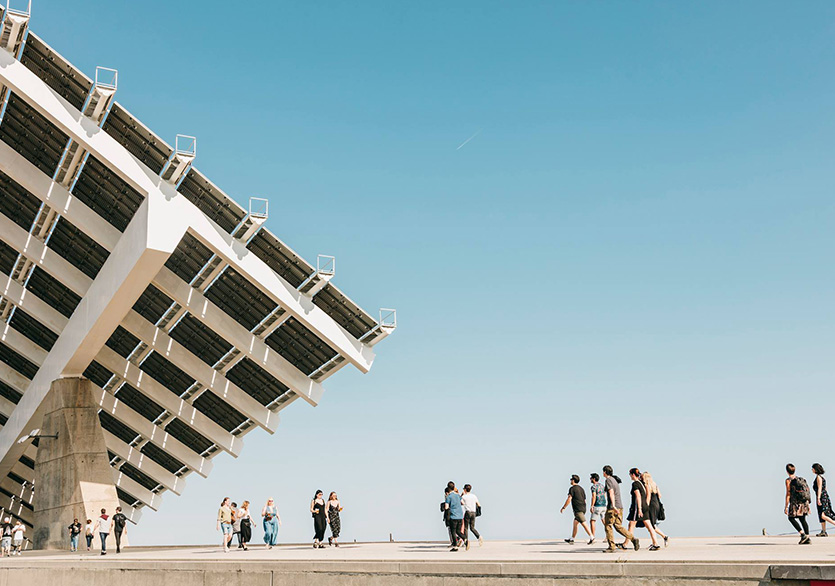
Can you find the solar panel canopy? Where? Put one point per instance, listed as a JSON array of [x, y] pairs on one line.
[[121, 262]]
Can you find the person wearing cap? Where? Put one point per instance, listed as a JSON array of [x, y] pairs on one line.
[[577, 500]]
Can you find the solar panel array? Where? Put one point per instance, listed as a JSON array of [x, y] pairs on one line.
[[169, 424]]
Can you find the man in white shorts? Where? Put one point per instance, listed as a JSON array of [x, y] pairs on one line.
[[598, 501], [17, 537]]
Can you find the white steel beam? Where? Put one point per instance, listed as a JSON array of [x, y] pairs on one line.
[[200, 371], [233, 332], [32, 304], [154, 433], [169, 401], [132, 513], [140, 461], [58, 111], [133, 488], [22, 492]]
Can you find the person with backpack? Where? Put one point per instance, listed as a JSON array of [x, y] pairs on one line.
[[456, 518], [120, 526], [6, 540], [797, 503], [597, 510]]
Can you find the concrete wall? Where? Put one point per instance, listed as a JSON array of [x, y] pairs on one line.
[[187, 573]]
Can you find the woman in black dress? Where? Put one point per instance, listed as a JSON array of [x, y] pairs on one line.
[[825, 513], [320, 519], [639, 508], [654, 504]]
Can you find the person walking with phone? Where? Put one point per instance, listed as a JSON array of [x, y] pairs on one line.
[[797, 503], [613, 521], [471, 510], [271, 521], [320, 519]]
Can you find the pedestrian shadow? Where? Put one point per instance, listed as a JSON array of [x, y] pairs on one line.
[[439, 546]]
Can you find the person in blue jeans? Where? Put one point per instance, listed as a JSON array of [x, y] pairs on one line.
[[272, 521], [456, 518], [75, 531], [103, 527]]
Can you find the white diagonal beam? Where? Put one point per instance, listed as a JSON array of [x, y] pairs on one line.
[[140, 461], [144, 247], [154, 433], [200, 371], [133, 488], [26, 300], [117, 158], [182, 410], [233, 332]]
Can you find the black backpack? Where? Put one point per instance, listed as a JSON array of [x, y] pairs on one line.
[[119, 521]]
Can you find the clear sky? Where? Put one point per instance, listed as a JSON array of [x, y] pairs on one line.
[[629, 264]]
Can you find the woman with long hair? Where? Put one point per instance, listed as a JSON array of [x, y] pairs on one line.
[[654, 504], [334, 508], [224, 523], [271, 521], [639, 509], [825, 513], [320, 519], [245, 524]]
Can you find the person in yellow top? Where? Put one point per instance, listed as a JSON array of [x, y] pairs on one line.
[[224, 523]]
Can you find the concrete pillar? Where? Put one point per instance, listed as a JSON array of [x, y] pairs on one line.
[[73, 477]]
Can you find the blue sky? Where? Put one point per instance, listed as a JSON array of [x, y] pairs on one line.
[[630, 264]]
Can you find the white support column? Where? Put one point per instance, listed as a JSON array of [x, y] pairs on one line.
[[140, 461], [143, 249], [203, 373]]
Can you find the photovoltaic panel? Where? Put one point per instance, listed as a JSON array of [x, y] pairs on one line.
[[239, 298], [104, 192], [77, 248], [33, 329], [122, 342], [32, 135], [58, 74], [152, 304], [188, 258], [24, 366], [166, 373], [200, 340], [300, 346], [16, 203], [52, 291], [188, 436], [10, 393], [218, 411], [211, 201], [256, 381], [162, 458]]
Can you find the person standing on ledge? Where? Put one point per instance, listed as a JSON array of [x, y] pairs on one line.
[[75, 531], [825, 514], [597, 510], [6, 537], [456, 518], [577, 500], [613, 521], [224, 523], [103, 528], [797, 503], [271, 523], [471, 509], [120, 526], [320, 519], [334, 508]]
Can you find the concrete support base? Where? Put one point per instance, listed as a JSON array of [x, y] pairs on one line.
[[73, 477]]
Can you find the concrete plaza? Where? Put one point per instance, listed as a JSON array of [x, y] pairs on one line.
[[700, 561]]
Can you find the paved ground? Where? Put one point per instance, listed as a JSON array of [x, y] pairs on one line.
[[757, 550]]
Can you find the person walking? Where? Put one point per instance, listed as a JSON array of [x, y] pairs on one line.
[[120, 527], [74, 530], [88, 533], [17, 537], [577, 500], [613, 521], [6, 537], [655, 507], [320, 519], [244, 520], [456, 518], [224, 523], [334, 508], [471, 510], [270, 521], [639, 508], [797, 503], [597, 510], [102, 527], [236, 525], [825, 514]]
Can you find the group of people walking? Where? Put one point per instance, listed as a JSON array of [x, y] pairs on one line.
[[799, 498], [103, 526], [645, 510], [234, 520], [460, 513], [11, 537]]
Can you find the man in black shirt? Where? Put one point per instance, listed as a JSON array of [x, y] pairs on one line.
[[119, 527], [6, 537], [577, 500], [75, 531]]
